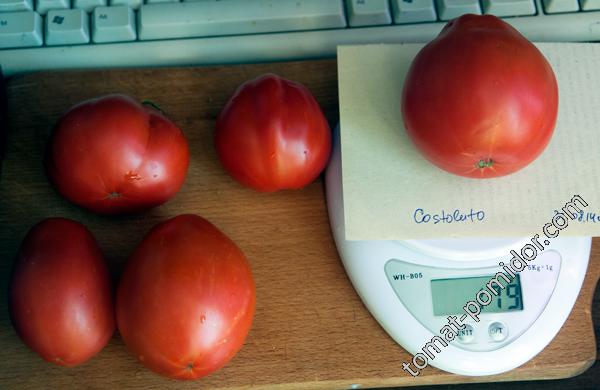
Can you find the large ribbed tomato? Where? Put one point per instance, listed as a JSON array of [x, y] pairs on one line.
[[272, 135], [114, 155], [480, 100], [186, 299]]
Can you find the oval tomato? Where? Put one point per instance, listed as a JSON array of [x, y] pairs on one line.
[[480, 100], [272, 135], [186, 299], [113, 155], [60, 295]]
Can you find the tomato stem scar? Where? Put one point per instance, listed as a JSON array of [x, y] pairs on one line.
[[113, 195], [485, 163]]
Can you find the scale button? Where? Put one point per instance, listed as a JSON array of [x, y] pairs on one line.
[[466, 335], [498, 331]]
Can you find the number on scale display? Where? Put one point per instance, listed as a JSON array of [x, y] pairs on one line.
[[450, 295]]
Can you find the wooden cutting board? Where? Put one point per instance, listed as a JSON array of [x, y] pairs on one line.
[[311, 330]]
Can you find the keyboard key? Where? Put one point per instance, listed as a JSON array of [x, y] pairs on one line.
[[413, 11], [450, 9], [16, 5], [234, 17], [508, 7], [161, 1], [113, 24], [368, 12], [556, 6], [135, 4], [88, 5], [20, 29], [43, 6], [589, 5], [67, 27]]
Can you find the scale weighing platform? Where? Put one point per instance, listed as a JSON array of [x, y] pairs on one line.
[[412, 286]]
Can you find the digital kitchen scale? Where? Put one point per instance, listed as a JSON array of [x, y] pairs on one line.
[[412, 286]]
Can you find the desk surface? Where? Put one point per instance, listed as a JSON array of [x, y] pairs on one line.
[[310, 330]]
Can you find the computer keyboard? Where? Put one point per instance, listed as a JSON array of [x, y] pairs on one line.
[[59, 34]]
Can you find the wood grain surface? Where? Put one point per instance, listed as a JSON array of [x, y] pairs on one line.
[[310, 331]]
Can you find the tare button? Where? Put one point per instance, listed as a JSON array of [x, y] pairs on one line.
[[498, 331]]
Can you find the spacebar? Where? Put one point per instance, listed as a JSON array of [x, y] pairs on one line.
[[237, 17]]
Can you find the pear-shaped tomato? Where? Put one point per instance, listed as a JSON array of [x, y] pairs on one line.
[[272, 135], [480, 100], [186, 299], [60, 296]]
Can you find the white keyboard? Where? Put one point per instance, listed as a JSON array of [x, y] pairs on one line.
[[60, 34]]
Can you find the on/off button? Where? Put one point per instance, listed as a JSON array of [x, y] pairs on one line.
[[498, 331]]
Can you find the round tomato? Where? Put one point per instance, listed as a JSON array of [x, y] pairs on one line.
[[60, 295], [480, 100], [113, 155], [186, 299], [272, 135]]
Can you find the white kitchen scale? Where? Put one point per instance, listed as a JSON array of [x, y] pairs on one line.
[[412, 286]]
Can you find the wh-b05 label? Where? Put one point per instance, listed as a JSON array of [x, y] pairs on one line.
[[408, 276]]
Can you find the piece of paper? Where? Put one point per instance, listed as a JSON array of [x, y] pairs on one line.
[[392, 192]]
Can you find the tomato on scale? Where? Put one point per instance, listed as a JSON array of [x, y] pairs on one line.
[[480, 100]]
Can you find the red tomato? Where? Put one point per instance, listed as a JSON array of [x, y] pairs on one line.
[[113, 155], [60, 296], [272, 135], [480, 100], [186, 299]]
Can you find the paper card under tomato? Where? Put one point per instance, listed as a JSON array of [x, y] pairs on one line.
[[391, 192]]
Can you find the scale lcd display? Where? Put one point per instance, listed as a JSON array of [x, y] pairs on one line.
[[451, 295]]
